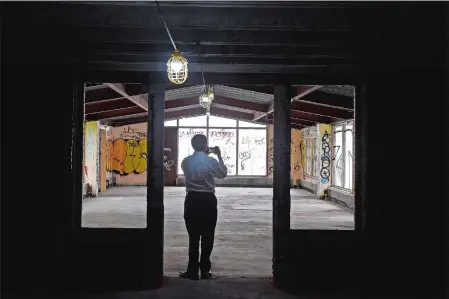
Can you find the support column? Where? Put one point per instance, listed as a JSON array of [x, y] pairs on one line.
[[155, 171], [281, 181], [360, 155]]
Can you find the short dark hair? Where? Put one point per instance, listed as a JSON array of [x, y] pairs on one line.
[[199, 141]]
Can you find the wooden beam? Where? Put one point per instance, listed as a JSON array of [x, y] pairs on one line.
[[322, 110], [302, 91], [281, 182], [224, 101], [102, 94], [114, 113], [311, 117], [332, 100], [97, 107], [95, 87], [137, 100], [295, 121]]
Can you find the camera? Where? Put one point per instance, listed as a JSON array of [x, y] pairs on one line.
[[210, 150]]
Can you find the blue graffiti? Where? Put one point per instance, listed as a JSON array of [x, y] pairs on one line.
[[325, 158]]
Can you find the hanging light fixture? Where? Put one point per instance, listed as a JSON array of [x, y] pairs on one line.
[[177, 71], [206, 98], [177, 68]]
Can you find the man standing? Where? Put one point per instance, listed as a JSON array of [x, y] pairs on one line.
[[200, 206]]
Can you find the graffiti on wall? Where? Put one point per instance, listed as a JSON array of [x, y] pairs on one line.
[[128, 151], [222, 135], [129, 156], [188, 134], [325, 158], [302, 148], [338, 155], [168, 163]]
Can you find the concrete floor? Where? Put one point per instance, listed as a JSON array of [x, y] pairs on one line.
[[243, 242]]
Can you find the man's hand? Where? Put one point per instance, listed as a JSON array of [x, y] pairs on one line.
[[217, 151]]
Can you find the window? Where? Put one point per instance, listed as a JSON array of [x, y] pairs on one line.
[[171, 123], [226, 140], [252, 152], [184, 143], [245, 124], [197, 121], [243, 144], [343, 156], [311, 157], [221, 122]]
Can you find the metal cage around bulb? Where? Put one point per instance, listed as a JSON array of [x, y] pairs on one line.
[[207, 97], [177, 68]]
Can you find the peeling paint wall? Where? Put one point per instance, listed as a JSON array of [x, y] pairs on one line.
[[296, 169], [91, 150], [304, 135]]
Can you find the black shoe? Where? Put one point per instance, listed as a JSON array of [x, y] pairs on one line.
[[188, 275], [207, 275]]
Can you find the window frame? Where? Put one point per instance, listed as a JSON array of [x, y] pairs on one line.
[[343, 130], [237, 128], [312, 158]]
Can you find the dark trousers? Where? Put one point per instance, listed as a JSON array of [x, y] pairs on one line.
[[200, 215]]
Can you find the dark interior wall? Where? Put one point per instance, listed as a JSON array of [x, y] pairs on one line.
[[400, 248]]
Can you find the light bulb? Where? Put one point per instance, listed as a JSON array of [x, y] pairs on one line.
[[205, 99], [176, 66]]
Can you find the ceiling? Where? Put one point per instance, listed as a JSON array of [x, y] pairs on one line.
[[233, 43], [121, 104]]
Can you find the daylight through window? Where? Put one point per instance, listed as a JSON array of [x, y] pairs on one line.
[[243, 144]]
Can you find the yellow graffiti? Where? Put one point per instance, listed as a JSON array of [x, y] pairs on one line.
[[129, 156]]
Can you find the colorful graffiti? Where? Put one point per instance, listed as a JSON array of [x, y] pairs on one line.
[[325, 158], [129, 156]]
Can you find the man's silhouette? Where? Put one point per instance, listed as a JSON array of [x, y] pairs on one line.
[[200, 206]]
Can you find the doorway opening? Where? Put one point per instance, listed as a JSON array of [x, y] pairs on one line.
[[114, 156], [241, 124]]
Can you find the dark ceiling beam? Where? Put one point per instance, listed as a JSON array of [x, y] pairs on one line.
[[328, 99], [301, 90], [267, 89], [312, 117], [114, 113], [98, 95], [294, 124], [188, 16], [210, 51], [91, 87], [240, 104], [298, 121], [322, 110], [138, 100], [231, 114], [157, 59], [97, 107], [241, 4], [287, 70]]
